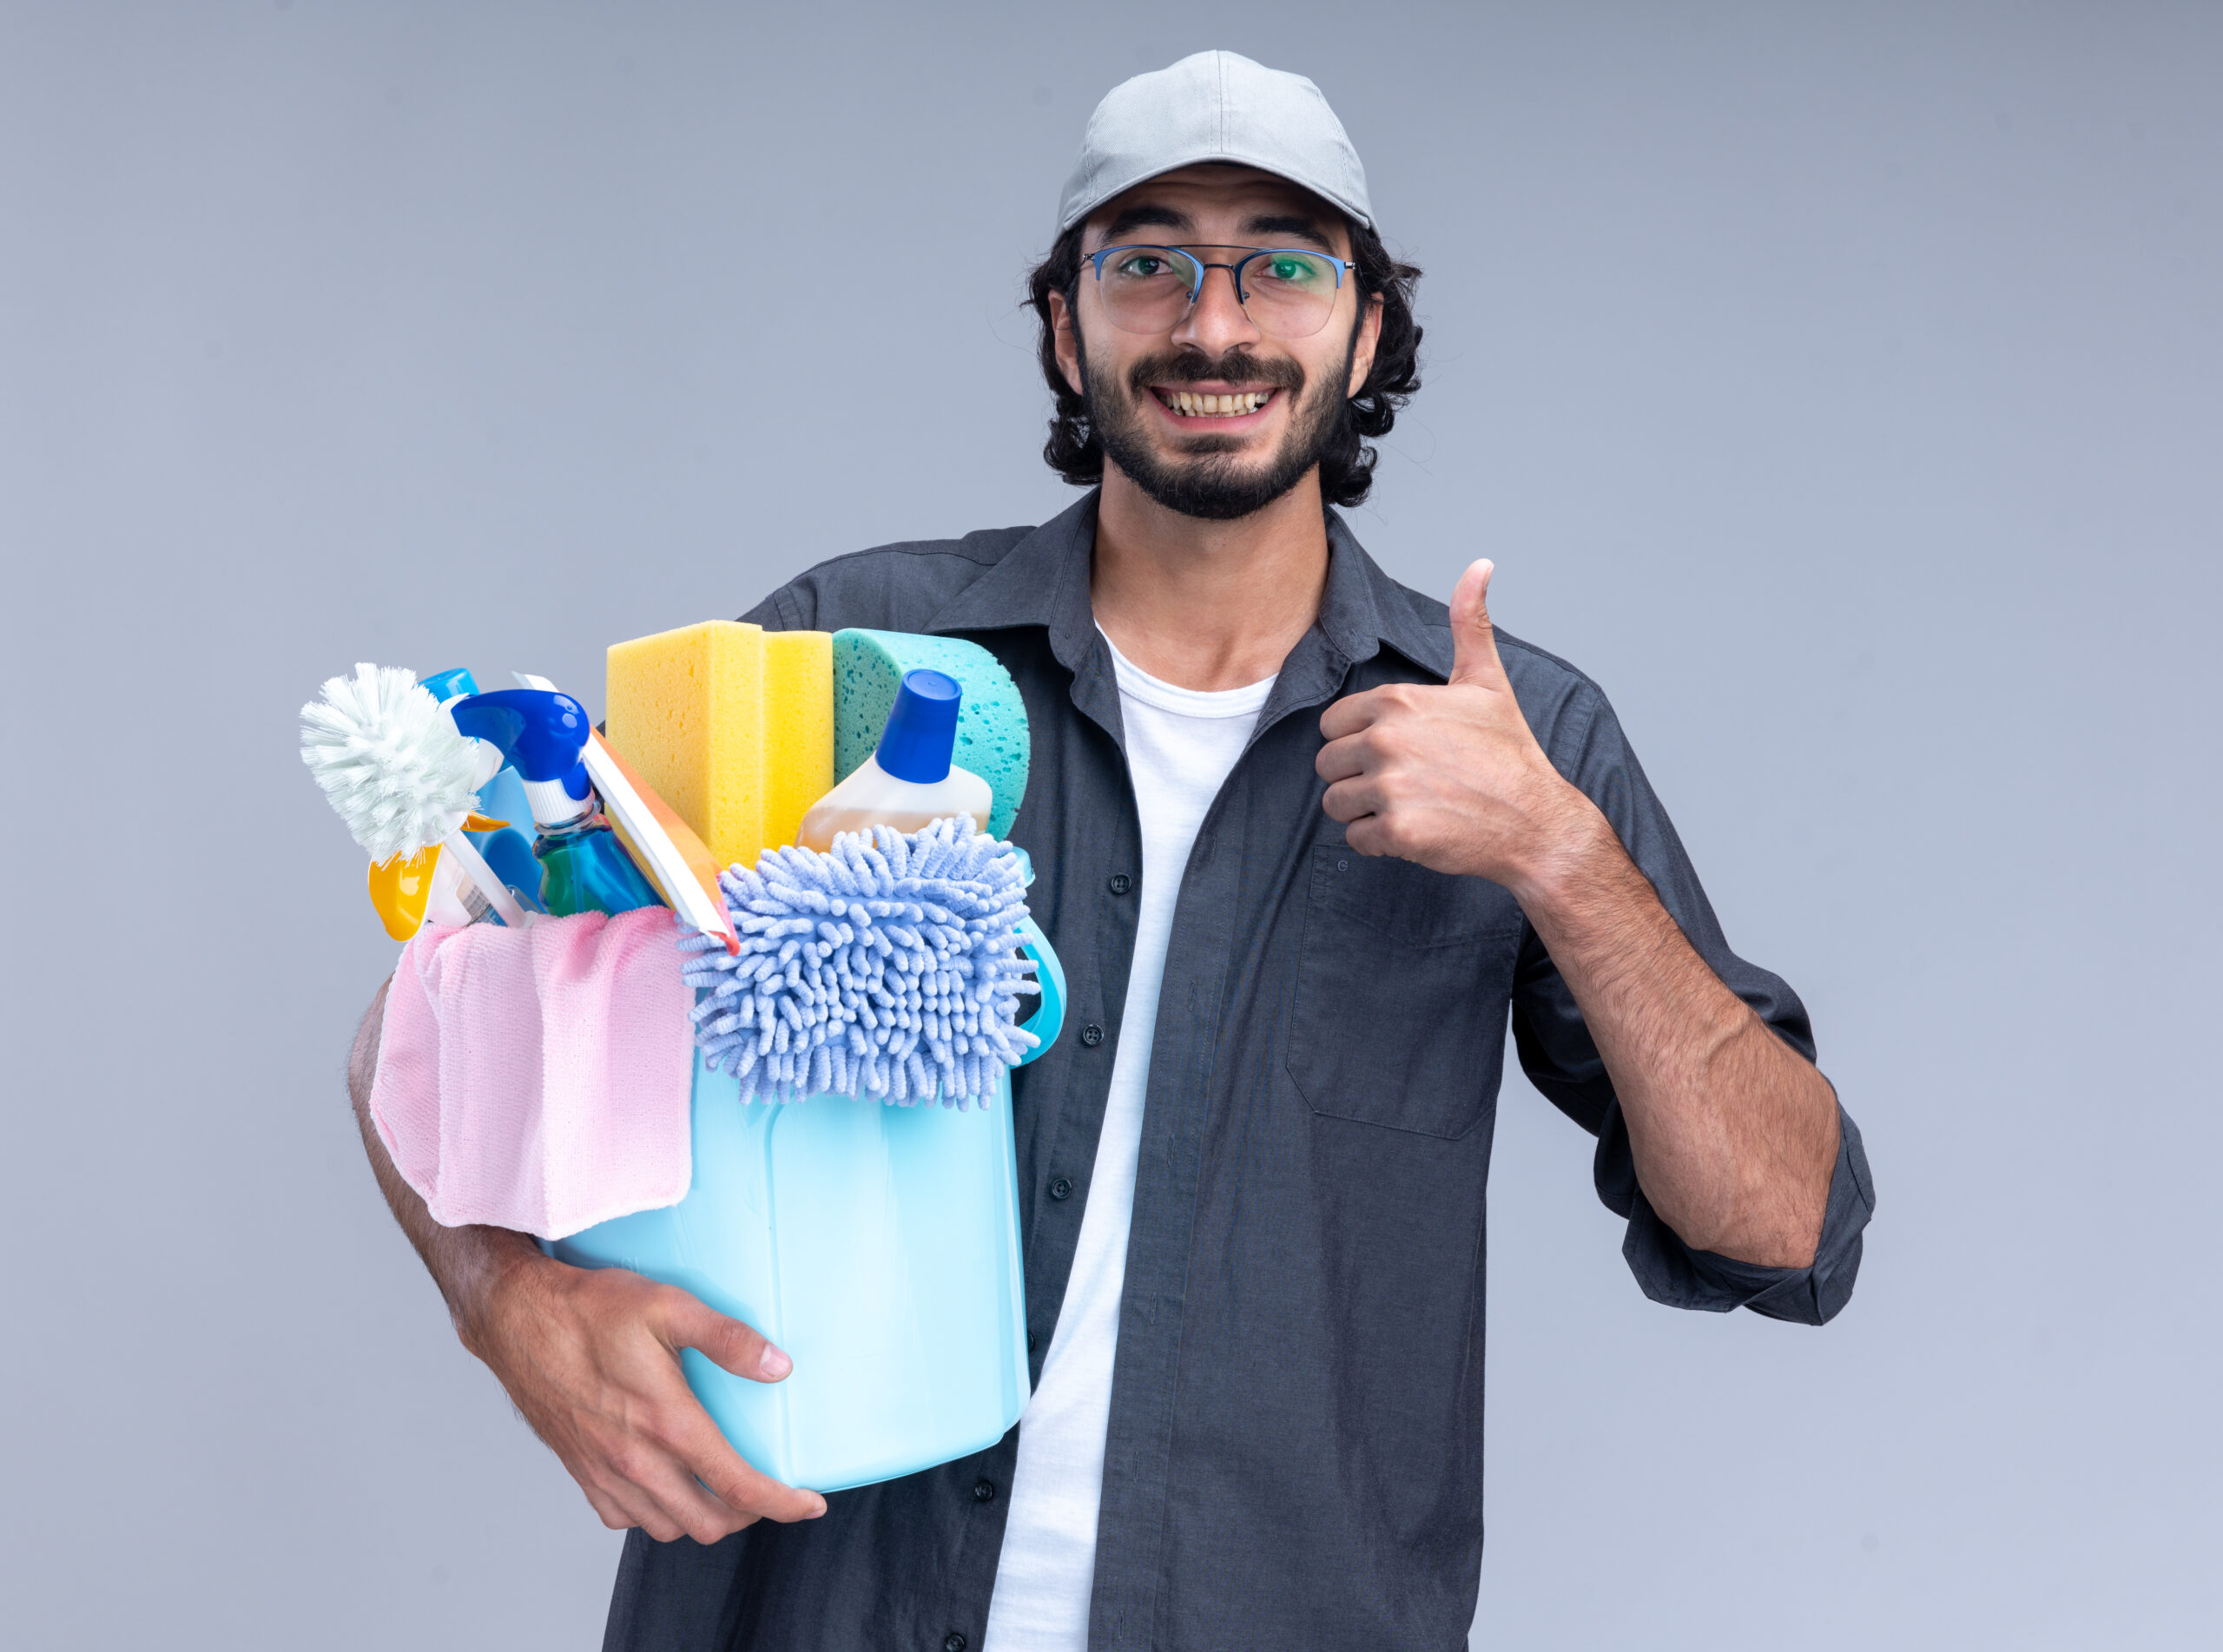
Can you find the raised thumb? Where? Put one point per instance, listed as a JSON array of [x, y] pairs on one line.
[[1473, 643]]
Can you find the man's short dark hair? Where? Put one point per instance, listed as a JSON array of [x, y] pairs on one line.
[[1346, 463]]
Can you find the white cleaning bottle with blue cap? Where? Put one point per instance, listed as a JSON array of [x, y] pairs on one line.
[[908, 782]]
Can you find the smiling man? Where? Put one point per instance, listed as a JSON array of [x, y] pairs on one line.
[[1308, 842]]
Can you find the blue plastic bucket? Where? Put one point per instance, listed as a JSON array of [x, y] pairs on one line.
[[878, 1245]]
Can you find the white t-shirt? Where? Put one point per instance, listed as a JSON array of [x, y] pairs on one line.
[[1181, 743]]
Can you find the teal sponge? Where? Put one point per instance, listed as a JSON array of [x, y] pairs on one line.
[[992, 739]]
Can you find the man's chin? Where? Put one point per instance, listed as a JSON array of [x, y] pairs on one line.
[[1211, 477], [1213, 492], [1213, 461], [1196, 447]]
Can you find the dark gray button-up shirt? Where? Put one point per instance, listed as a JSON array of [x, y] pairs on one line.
[[1295, 1453]]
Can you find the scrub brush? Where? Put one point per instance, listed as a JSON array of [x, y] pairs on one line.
[[398, 773]]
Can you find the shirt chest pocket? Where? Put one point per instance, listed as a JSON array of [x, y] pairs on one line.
[[1402, 989]]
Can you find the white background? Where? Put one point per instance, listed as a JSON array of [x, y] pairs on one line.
[[1836, 384]]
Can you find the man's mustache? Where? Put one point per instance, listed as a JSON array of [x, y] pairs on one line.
[[1195, 367]]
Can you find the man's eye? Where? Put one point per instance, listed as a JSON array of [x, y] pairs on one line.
[[1292, 270], [1143, 264]]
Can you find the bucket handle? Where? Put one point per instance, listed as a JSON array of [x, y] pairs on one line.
[[1050, 975]]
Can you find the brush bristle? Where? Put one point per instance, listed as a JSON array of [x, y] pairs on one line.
[[391, 761]]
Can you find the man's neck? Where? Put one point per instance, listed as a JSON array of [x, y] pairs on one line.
[[1207, 605]]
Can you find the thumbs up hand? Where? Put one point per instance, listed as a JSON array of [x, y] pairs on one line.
[[1451, 777]]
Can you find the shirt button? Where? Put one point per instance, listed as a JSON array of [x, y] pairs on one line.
[[1030, 1342], [1119, 883], [952, 1641], [1342, 865], [1091, 1035], [984, 1490], [1061, 1188]]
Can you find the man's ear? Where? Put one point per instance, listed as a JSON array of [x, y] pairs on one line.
[[1066, 341], [1363, 347]]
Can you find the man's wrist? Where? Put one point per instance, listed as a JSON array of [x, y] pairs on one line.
[[1574, 854], [493, 1261]]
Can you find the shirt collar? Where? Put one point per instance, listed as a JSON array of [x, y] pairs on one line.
[[1363, 609], [1043, 580]]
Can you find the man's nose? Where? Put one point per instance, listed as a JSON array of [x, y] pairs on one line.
[[1215, 322]]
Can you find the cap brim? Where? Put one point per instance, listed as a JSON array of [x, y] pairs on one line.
[[1107, 193]]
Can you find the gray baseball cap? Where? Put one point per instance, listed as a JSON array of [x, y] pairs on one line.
[[1215, 106]]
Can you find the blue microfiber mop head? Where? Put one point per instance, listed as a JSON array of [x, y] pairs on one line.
[[886, 967]]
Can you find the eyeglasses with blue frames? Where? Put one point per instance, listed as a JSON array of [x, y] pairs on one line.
[[1288, 292]]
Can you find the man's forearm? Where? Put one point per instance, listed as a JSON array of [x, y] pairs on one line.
[[1734, 1134], [464, 1261], [589, 1356]]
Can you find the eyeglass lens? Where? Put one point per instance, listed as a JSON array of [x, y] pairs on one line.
[[1287, 294]]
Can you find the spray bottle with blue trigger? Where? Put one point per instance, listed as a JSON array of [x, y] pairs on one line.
[[584, 867], [505, 848]]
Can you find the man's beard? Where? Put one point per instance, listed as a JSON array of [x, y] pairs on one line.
[[1201, 482]]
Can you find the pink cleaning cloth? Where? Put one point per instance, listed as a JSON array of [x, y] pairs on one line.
[[538, 1079]]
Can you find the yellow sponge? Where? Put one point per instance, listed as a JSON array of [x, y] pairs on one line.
[[686, 708], [798, 728], [732, 726]]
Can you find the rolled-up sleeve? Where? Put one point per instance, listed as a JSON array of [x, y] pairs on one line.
[[1586, 742]]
